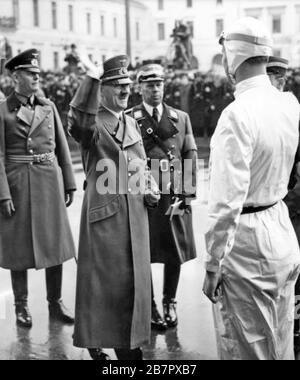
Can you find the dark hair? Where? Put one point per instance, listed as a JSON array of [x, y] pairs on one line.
[[257, 60]]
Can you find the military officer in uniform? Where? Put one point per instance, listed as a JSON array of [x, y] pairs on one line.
[[168, 140], [113, 302], [36, 185], [277, 71]]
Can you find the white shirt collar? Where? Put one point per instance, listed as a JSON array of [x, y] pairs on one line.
[[116, 114], [248, 84], [149, 109]]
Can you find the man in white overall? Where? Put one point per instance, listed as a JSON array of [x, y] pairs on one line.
[[253, 254]]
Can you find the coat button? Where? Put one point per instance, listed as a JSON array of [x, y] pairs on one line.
[[49, 126], [129, 174], [31, 151], [129, 190], [29, 139]]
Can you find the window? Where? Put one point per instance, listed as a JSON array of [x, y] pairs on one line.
[[36, 20], [137, 31], [219, 2], [54, 14], [276, 24], [190, 24], [71, 18], [189, 3], [56, 60], [88, 23], [277, 52], [16, 10], [219, 26], [160, 5], [115, 27], [102, 25], [161, 31]]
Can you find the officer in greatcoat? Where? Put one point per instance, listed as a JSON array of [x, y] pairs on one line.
[[113, 302], [169, 142], [36, 185]]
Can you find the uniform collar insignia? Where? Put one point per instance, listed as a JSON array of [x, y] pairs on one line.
[[138, 114], [173, 114]]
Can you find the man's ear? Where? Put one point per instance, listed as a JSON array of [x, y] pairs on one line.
[[15, 76]]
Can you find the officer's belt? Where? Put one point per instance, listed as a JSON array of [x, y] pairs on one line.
[[254, 210], [35, 159]]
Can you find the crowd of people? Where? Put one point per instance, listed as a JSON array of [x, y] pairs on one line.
[[202, 95]]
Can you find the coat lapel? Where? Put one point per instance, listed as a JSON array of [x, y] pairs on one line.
[[40, 113], [131, 135], [26, 115], [125, 133], [108, 121]]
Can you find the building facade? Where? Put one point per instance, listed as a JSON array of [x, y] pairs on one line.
[[98, 27], [208, 18]]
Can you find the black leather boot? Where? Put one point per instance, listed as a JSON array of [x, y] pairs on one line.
[[98, 354], [171, 281], [132, 355], [157, 322], [170, 313], [20, 290], [57, 309]]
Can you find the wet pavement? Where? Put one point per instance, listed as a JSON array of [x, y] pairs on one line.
[[194, 339]]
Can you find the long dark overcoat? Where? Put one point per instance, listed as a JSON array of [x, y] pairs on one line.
[[113, 284], [38, 235], [175, 132]]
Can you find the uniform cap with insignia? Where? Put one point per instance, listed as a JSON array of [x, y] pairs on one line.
[[277, 65], [116, 70], [27, 60], [151, 73]]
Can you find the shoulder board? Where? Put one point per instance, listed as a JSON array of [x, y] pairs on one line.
[[45, 100], [138, 114], [128, 112], [173, 115]]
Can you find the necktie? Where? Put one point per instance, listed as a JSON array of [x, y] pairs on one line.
[[29, 103], [155, 114], [121, 126]]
